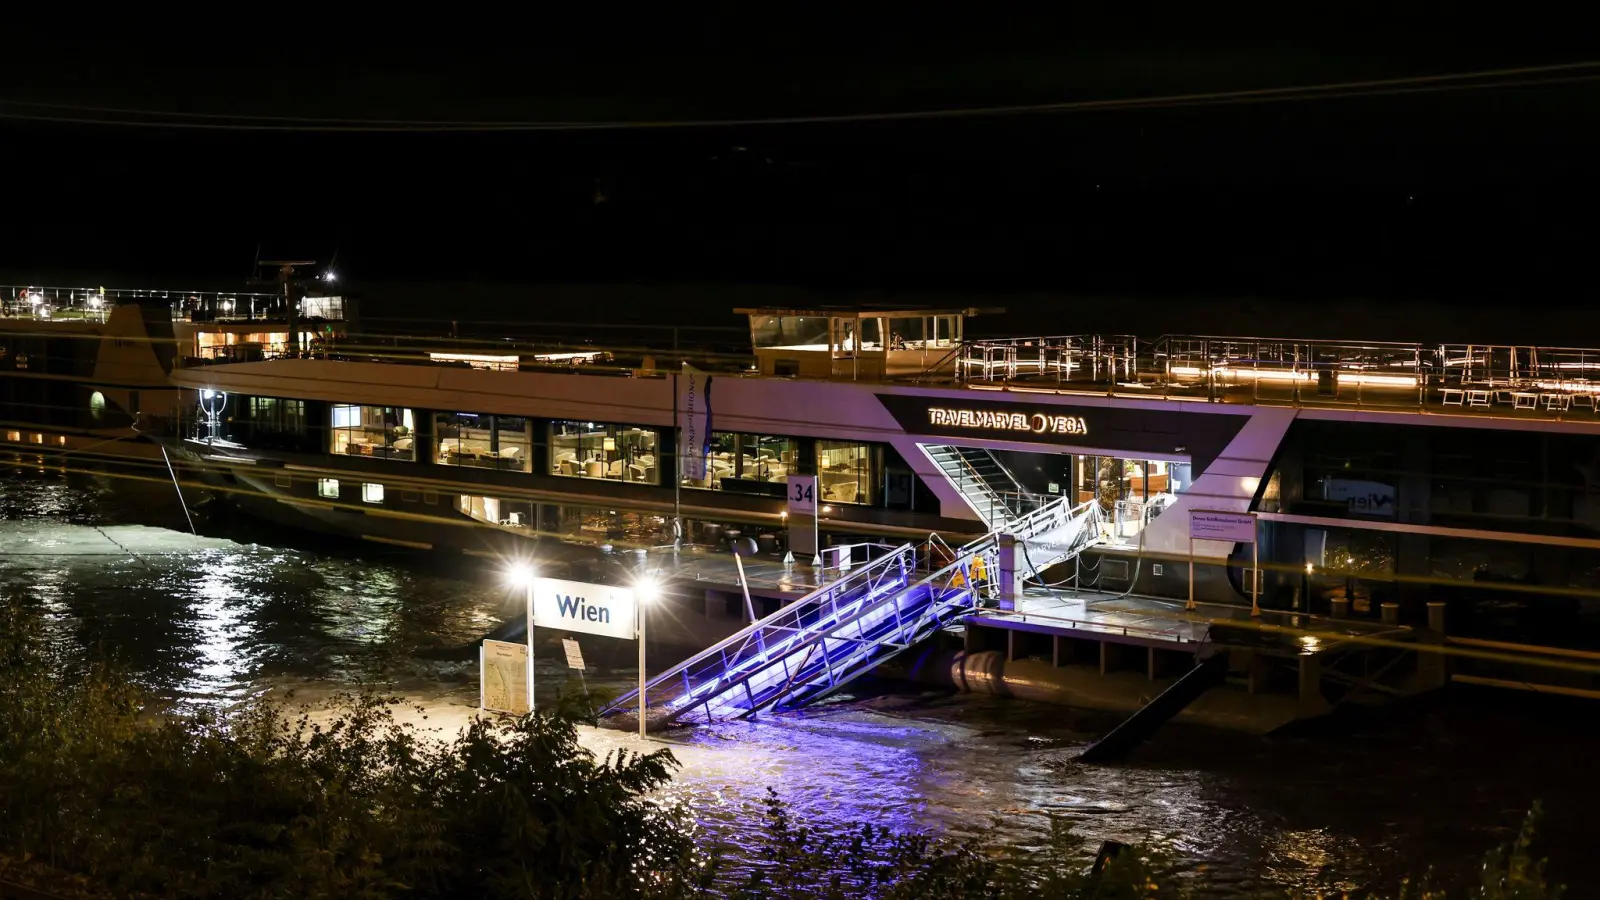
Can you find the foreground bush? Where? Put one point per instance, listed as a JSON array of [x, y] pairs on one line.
[[96, 801], [251, 805]]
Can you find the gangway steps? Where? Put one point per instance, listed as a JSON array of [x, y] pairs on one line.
[[839, 632], [1120, 741]]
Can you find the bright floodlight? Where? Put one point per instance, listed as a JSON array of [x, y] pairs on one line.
[[328, 276], [646, 589], [520, 575]]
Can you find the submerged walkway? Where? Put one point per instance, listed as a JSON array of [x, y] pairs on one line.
[[1155, 622]]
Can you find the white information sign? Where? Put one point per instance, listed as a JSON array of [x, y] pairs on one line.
[[601, 609], [503, 677], [574, 653], [802, 495], [1210, 525]]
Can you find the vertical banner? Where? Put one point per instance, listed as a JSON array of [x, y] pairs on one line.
[[694, 423]]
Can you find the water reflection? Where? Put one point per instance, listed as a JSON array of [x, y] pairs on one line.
[[204, 620]]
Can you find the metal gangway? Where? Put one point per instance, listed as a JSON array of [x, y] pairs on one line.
[[825, 640]]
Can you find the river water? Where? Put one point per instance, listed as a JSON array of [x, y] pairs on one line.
[[216, 620]]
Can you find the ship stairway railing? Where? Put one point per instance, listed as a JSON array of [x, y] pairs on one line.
[[825, 640]]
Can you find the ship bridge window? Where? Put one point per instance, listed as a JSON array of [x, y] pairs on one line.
[[599, 450], [387, 432], [749, 463], [490, 442], [798, 332]]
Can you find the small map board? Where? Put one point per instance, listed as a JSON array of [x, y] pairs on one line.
[[574, 653], [503, 674]]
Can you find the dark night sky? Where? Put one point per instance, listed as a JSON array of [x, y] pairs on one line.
[[1479, 194]]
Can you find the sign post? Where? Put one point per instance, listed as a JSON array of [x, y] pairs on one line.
[[602, 609], [1228, 527], [803, 539], [639, 614]]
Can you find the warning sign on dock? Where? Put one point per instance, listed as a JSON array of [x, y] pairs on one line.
[[574, 653]]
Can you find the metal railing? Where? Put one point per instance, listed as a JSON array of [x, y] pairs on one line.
[[45, 303], [831, 636], [1098, 625], [1484, 378], [741, 659]]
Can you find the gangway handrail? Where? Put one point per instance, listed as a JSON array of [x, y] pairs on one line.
[[878, 602], [929, 581], [743, 635], [984, 546]]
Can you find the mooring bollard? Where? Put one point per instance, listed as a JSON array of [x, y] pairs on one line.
[[1341, 607], [1436, 616], [1391, 613]]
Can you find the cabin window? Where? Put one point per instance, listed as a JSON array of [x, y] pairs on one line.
[[271, 415], [386, 432], [328, 487], [489, 442], [749, 463], [372, 493], [846, 470], [599, 450]]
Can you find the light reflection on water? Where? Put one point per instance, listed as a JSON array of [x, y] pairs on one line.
[[205, 621]]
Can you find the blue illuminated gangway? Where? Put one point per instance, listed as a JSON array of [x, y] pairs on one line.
[[839, 632]]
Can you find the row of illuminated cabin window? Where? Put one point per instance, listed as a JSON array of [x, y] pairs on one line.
[[847, 471]]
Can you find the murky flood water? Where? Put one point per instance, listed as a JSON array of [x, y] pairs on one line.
[[213, 620]]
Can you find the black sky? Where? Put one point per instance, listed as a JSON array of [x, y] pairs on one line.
[[1480, 194]]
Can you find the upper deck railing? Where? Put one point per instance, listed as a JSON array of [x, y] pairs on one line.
[[1479, 379], [1524, 381], [94, 304]]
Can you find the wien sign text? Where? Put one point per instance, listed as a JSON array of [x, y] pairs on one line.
[[993, 420], [587, 608]]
